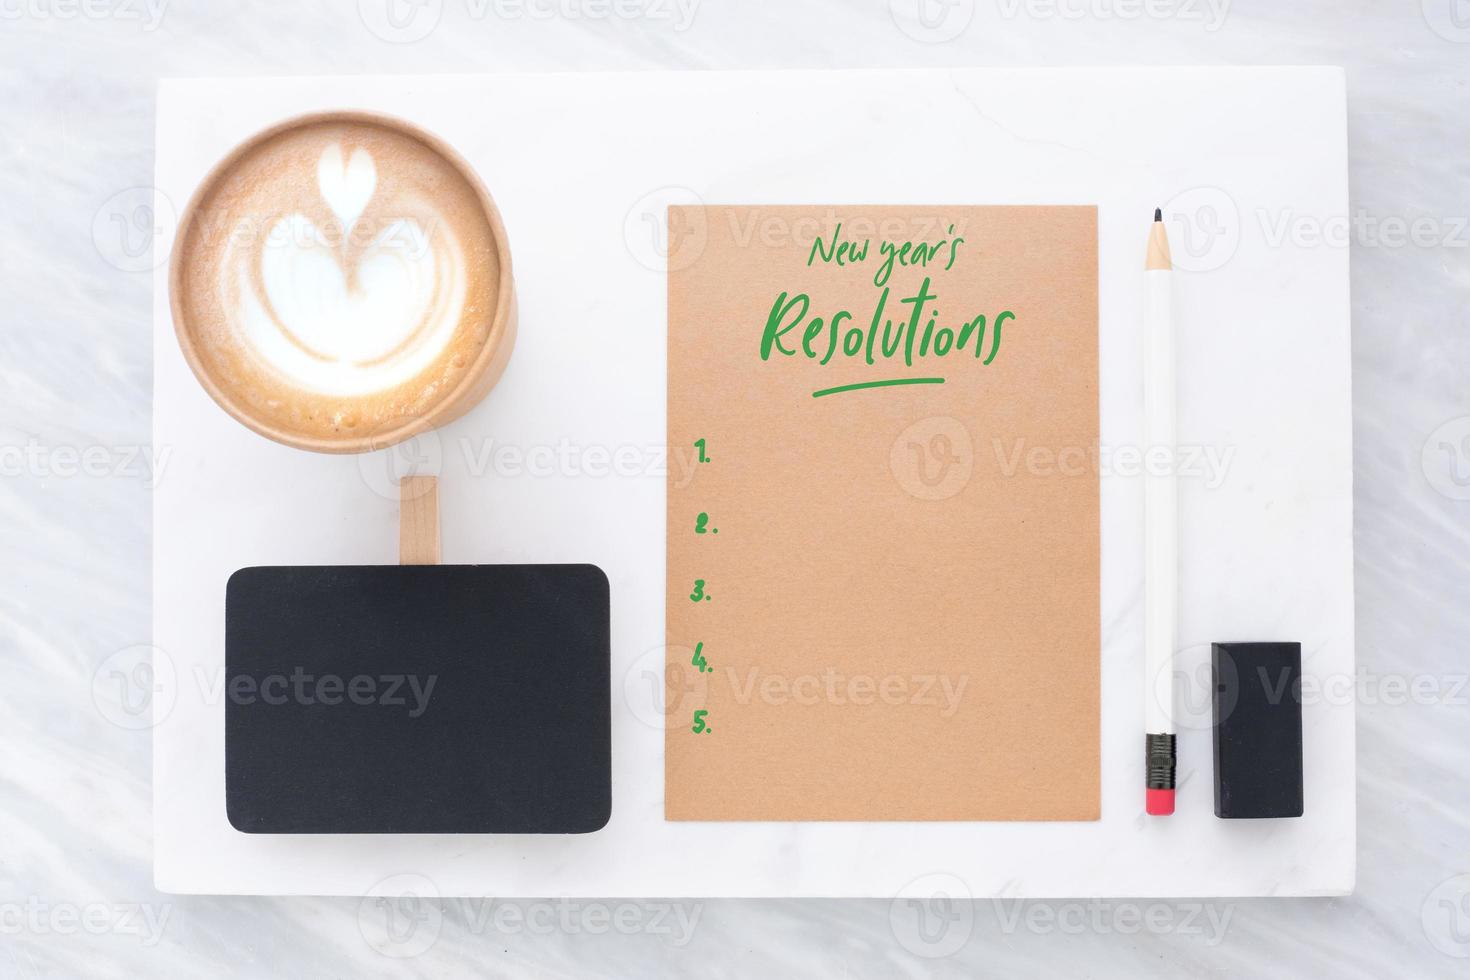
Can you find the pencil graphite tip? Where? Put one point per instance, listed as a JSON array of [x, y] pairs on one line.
[[1158, 244]]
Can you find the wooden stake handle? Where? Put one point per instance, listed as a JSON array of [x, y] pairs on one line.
[[418, 520]]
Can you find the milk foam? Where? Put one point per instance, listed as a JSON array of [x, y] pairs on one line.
[[338, 277], [348, 187], [341, 319]]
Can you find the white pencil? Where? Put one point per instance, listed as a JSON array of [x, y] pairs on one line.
[[1160, 529]]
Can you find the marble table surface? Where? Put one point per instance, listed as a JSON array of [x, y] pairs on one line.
[[77, 80]]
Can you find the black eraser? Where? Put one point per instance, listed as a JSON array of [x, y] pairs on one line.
[[1258, 729]]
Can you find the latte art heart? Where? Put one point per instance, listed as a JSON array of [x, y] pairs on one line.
[[347, 321], [365, 308], [344, 274], [346, 187]]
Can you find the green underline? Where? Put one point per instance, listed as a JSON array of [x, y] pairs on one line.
[[878, 384]]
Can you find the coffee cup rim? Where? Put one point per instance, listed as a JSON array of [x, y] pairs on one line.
[[490, 359]]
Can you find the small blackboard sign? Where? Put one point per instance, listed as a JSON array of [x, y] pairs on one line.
[[424, 699]]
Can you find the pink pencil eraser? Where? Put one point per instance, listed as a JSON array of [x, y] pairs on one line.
[[1159, 802]]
